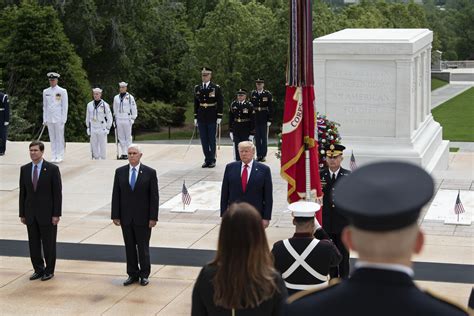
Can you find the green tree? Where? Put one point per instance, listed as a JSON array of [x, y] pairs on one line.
[[37, 44]]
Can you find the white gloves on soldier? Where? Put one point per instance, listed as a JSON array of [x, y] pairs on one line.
[[269, 123], [6, 123], [231, 136], [219, 121], [195, 122], [251, 138], [88, 132]]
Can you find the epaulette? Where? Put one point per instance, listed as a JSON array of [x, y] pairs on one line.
[[302, 294], [446, 300]]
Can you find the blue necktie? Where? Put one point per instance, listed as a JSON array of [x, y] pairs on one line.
[[133, 179]]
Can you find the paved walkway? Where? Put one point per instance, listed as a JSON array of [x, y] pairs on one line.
[[449, 91]]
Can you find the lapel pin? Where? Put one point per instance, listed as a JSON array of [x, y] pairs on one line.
[[141, 171]]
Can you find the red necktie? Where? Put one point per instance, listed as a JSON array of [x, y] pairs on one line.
[[35, 177], [244, 177]]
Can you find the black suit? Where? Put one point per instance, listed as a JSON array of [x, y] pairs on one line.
[[333, 221], [38, 208], [371, 292], [258, 192], [135, 208]]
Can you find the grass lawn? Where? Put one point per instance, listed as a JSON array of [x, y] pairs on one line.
[[456, 116], [437, 83]]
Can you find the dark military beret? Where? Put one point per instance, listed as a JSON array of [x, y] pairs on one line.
[[384, 196], [260, 81], [242, 92], [334, 150]]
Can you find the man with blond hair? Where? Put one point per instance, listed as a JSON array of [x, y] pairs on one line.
[[382, 202], [248, 181]]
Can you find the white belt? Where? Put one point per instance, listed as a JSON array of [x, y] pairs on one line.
[[299, 261], [306, 286]]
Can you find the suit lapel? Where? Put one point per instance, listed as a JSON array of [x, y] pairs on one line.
[[253, 174], [141, 173], [29, 175], [42, 173]]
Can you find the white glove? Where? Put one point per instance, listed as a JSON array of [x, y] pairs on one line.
[[219, 121], [195, 122], [45, 123], [251, 138], [6, 123], [88, 132], [231, 136], [132, 121], [269, 123]]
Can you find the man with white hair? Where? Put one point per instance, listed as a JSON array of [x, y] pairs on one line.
[[98, 122], [135, 209], [55, 107], [248, 181], [382, 202], [125, 113]]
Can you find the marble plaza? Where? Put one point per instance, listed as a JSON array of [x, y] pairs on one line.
[[91, 268]]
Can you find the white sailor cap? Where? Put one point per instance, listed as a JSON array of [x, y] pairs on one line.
[[53, 75], [97, 90], [304, 208], [123, 84]]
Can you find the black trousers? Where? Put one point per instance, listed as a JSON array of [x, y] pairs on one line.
[[3, 137], [42, 236], [137, 249], [261, 140], [341, 271]]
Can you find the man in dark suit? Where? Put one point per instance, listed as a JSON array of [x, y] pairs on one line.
[[382, 202], [333, 221], [40, 209], [208, 106], [4, 121], [248, 181], [135, 209]]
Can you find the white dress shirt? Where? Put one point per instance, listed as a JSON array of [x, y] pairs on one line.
[[249, 169], [336, 172]]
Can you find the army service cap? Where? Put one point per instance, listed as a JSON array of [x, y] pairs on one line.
[[334, 150], [241, 92], [206, 71], [53, 75], [123, 84], [304, 208], [384, 196], [259, 81]]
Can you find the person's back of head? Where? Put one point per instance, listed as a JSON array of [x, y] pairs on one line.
[[245, 276]]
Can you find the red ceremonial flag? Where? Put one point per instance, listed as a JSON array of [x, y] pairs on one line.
[[299, 119]]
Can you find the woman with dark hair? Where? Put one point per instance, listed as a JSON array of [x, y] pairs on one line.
[[241, 279]]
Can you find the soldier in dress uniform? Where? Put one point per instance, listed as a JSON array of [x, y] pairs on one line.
[[262, 103], [4, 121], [125, 113], [55, 107], [241, 121], [333, 220], [382, 202], [303, 260], [98, 122], [208, 106]]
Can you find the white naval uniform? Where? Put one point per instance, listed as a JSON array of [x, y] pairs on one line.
[[98, 122], [55, 106], [125, 113]]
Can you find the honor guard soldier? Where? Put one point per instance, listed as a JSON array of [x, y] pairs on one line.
[[262, 103], [241, 121], [333, 220], [4, 121], [382, 202], [303, 260], [55, 107], [125, 113], [98, 122], [208, 106]]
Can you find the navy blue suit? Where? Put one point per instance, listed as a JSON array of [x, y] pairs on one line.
[[258, 192]]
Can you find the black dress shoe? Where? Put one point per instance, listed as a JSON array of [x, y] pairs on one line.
[[211, 165], [130, 280], [205, 165], [262, 159], [144, 281], [47, 276], [36, 276]]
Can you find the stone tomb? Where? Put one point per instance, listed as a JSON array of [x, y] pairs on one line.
[[376, 84]]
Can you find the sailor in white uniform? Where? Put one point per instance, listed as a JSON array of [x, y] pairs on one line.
[[303, 260], [55, 106], [125, 113], [98, 122]]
